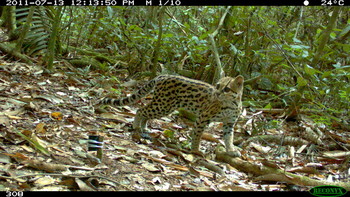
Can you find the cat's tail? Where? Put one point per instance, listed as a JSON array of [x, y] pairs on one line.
[[132, 98]]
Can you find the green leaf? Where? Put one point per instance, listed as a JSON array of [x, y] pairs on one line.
[[326, 74], [35, 144], [301, 81], [168, 133], [110, 11], [169, 35], [333, 35], [135, 27], [310, 70], [296, 40], [268, 106]]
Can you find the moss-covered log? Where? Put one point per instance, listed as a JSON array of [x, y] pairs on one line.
[[12, 53]]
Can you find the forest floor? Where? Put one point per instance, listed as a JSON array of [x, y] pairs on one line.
[[46, 119]]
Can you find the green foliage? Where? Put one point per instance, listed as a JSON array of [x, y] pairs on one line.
[[279, 47], [37, 38], [169, 133]]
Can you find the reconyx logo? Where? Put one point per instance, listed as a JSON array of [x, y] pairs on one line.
[[327, 190]]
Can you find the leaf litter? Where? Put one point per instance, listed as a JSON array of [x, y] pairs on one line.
[[46, 118]]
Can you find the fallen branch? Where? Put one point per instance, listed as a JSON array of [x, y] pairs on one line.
[[11, 52], [265, 171], [277, 139], [211, 166]]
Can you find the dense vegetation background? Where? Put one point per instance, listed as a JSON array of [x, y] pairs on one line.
[[295, 57], [295, 60]]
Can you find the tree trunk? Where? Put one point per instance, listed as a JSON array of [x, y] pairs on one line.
[[52, 42], [158, 43], [219, 72], [9, 18], [325, 36]]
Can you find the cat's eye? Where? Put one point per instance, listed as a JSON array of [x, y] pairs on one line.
[[226, 89]]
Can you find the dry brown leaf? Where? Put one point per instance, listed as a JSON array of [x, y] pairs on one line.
[[27, 133], [168, 163], [57, 115], [83, 186], [112, 116], [69, 182], [231, 187], [40, 128], [150, 167], [4, 120], [43, 181], [13, 114], [15, 117], [304, 169], [4, 158], [49, 98], [39, 141], [210, 137], [18, 156], [336, 154], [260, 148]]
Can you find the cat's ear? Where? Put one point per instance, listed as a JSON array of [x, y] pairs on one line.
[[238, 81]]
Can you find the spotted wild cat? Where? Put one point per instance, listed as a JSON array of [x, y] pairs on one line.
[[210, 104]]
